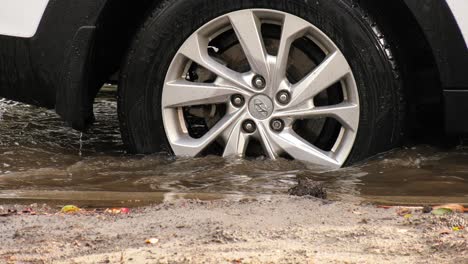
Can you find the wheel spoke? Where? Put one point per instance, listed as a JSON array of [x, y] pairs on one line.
[[300, 149], [188, 146], [248, 30], [293, 27], [196, 49], [345, 113], [236, 144], [184, 93], [330, 71], [267, 142]]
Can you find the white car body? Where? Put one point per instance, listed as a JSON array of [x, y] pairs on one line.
[[21, 18], [460, 12]]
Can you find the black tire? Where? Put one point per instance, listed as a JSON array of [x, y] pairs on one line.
[[173, 21]]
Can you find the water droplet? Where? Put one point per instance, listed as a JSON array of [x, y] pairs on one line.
[[81, 144]]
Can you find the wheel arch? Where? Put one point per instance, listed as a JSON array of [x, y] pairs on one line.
[[96, 53], [115, 29], [429, 30], [427, 44]]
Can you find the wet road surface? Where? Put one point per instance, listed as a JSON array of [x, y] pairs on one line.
[[41, 160]]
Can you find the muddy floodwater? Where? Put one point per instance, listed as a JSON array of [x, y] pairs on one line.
[[41, 160]]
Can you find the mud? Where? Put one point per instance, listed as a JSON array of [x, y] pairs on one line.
[[277, 230]]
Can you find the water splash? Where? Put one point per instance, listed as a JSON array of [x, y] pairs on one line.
[[2, 108], [80, 153]]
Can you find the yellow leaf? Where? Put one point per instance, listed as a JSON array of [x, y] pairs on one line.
[[70, 209], [442, 211], [457, 208]]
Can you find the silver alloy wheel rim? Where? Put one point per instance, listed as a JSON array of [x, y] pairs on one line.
[[178, 92]]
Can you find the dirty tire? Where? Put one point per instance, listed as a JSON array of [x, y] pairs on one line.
[[352, 30]]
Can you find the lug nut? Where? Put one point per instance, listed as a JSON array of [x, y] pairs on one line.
[[283, 97], [259, 82], [277, 125], [237, 100], [249, 126]]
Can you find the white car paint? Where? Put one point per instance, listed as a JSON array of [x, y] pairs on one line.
[[21, 18], [460, 12]]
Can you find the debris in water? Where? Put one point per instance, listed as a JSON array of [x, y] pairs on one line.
[[8, 213], [402, 211], [70, 209], [407, 216], [457, 208], [442, 211], [117, 211], [28, 211], [308, 187], [124, 210]]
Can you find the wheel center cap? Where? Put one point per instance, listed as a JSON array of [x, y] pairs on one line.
[[261, 107]]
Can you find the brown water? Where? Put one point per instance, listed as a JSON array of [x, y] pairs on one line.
[[41, 160]]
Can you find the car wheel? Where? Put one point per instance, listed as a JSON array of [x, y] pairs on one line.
[[314, 81]]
